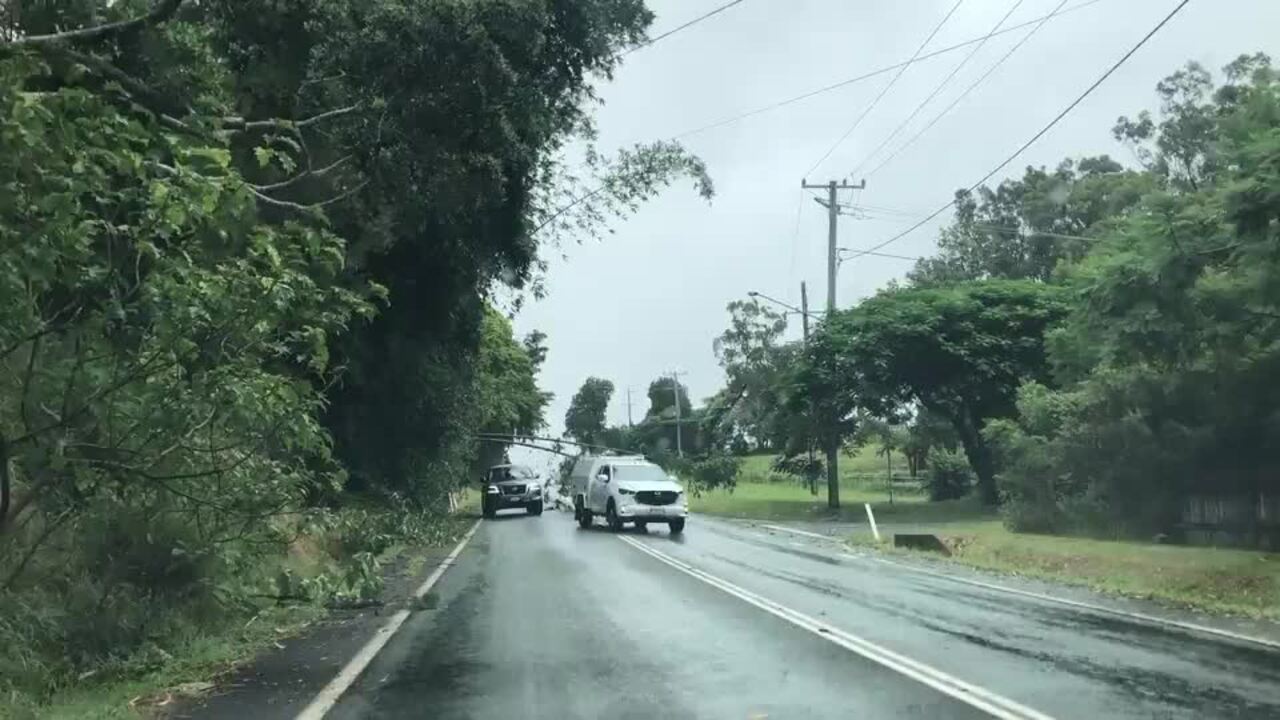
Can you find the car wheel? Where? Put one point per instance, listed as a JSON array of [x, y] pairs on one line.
[[487, 510], [642, 526], [584, 518], [611, 517], [677, 526], [535, 509]]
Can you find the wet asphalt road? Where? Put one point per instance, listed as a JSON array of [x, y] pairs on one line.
[[539, 619]]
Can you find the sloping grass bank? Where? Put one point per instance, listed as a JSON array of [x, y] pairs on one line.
[[323, 566]]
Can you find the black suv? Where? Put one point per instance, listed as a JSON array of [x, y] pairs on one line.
[[511, 486]]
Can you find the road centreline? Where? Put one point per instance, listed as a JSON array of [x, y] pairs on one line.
[[973, 695], [1132, 615], [331, 693]]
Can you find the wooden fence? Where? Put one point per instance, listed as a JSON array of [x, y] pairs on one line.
[[1238, 521]]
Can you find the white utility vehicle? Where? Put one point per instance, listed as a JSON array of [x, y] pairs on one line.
[[626, 489]]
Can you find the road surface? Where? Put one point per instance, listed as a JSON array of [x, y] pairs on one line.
[[539, 619]]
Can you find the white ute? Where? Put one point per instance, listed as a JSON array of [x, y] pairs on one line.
[[626, 489]]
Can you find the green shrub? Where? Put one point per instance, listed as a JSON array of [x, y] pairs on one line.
[[807, 470], [949, 475]]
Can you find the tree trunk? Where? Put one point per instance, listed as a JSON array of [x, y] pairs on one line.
[[979, 455]]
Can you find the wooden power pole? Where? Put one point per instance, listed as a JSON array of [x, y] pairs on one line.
[[833, 217]]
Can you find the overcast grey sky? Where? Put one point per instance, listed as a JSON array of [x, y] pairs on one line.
[[652, 297]]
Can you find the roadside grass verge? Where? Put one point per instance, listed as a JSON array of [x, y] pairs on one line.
[[1217, 580], [188, 669]]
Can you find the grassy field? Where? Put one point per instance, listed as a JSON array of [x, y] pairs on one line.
[[1218, 580], [862, 466], [789, 501], [762, 495]]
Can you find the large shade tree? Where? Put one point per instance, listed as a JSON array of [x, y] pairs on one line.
[[958, 352], [584, 421]]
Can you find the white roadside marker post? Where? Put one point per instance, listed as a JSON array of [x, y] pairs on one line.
[[872, 519]]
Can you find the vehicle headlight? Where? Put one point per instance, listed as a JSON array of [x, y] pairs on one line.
[[491, 490], [626, 491], [534, 487]]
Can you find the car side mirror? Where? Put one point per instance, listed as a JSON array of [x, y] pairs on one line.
[[603, 477]]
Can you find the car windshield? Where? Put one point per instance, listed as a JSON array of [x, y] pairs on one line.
[[511, 472], [638, 473]]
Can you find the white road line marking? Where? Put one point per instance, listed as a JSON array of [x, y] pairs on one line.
[[978, 697], [805, 533], [1132, 615], [329, 695]]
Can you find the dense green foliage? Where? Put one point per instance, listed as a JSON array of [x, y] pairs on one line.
[[585, 419], [959, 352], [1024, 228], [246, 251], [1102, 340], [949, 476], [1168, 358], [749, 413]]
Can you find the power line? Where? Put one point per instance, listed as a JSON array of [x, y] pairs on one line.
[[887, 255], [1030, 231], [1089, 90], [967, 90], [945, 81], [875, 73], [678, 28], [574, 202], [886, 88], [795, 238]]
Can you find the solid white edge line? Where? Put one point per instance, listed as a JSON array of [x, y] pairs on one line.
[[1143, 617], [331, 693], [978, 697]]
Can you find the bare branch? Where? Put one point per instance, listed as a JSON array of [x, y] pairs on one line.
[[132, 88], [303, 175], [49, 528], [162, 12], [298, 207], [26, 383], [236, 123], [566, 208]]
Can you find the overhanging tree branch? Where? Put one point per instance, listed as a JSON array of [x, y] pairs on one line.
[[304, 175], [162, 12], [298, 207], [238, 123]]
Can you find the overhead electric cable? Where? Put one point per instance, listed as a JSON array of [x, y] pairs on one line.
[[936, 90], [966, 92], [876, 100], [1089, 90]]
